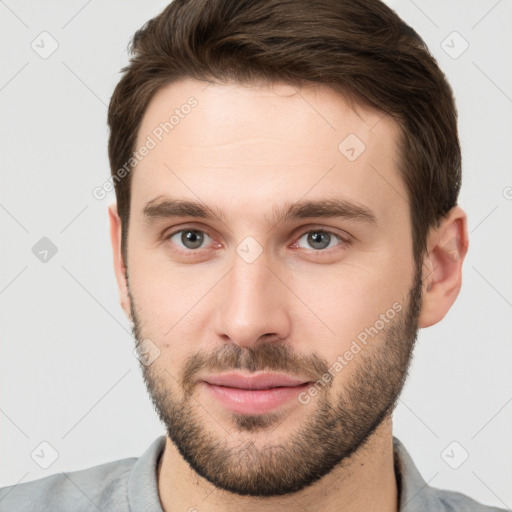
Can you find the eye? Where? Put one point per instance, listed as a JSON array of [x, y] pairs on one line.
[[320, 239], [190, 238]]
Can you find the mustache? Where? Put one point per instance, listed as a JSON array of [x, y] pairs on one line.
[[269, 356]]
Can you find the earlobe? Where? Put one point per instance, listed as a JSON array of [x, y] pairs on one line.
[[119, 264], [442, 267]]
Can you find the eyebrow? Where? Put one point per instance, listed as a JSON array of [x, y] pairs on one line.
[[167, 208]]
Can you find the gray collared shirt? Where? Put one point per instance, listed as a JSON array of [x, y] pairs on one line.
[[131, 485]]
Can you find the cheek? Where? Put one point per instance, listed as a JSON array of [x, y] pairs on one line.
[[161, 307], [170, 302], [150, 291], [341, 305]]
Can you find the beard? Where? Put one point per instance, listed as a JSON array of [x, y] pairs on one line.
[[323, 441]]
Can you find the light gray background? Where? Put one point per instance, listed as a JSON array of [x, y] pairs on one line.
[[68, 374]]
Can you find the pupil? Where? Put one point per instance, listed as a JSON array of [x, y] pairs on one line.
[[316, 239], [192, 239]]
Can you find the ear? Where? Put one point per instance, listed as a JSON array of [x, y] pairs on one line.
[[442, 266], [119, 264]]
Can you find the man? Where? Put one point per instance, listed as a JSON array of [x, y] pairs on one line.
[[287, 175]]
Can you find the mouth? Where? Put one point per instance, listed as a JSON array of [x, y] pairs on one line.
[[254, 394]]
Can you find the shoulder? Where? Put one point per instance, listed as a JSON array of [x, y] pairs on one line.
[[456, 501], [416, 494], [99, 487]]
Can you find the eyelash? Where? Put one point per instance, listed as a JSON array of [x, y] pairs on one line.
[[343, 241]]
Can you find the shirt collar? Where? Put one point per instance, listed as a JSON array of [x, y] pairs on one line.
[[414, 493], [143, 482]]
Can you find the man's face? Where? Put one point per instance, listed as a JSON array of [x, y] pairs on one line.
[[332, 301]]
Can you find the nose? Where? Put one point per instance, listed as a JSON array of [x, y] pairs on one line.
[[253, 303]]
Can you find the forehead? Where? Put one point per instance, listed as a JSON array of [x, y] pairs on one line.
[[256, 146]]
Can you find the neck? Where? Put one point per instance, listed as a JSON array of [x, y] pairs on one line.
[[366, 481]]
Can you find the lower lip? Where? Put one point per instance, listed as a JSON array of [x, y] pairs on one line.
[[255, 401]]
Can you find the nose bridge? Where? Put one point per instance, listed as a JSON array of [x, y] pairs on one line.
[[251, 304]]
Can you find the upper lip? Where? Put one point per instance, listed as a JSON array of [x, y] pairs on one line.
[[258, 381]]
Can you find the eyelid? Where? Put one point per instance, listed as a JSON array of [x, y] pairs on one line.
[[167, 235], [345, 239], [183, 227]]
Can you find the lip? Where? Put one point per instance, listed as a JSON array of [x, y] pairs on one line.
[[254, 382], [254, 394]]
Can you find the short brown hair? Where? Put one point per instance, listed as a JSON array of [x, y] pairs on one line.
[[356, 47]]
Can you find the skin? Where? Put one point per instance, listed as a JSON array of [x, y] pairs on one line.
[[248, 150]]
